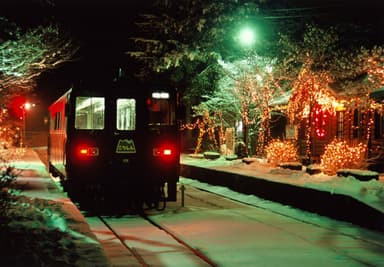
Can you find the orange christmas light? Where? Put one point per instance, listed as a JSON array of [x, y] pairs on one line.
[[340, 155], [280, 151]]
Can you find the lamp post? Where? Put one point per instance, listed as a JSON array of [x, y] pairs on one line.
[[246, 37], [26, 106]]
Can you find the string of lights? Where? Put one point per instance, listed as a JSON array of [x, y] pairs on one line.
[[278, 151]]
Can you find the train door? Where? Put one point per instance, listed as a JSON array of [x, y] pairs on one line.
[[144, 144], [127, 139], [85, 153]]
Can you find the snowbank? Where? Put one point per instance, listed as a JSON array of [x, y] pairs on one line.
[[39, 226], [369, 192]]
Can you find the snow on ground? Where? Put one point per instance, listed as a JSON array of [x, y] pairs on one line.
[[40, 226], [43, 228], [286, 210], [243, 236], [370, 192]]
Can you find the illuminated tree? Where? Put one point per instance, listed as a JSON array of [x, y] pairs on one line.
[[350, 70], [340, 155], [324, 64], [278, 151], [185, 38], [206, 126], [310, 93], [375, 66], [28, 54], [311, 58], [24, 56], [245, 92]]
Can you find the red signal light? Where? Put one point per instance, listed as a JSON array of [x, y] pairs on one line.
[[16, 106]]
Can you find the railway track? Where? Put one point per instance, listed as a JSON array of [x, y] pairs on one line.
[[139, 240], [142, 241], [214, 231], [148, 243]]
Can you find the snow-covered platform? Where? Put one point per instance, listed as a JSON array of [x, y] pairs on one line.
[[53, 231], [338, 197]]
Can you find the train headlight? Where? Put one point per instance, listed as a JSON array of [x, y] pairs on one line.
[[88, 151]]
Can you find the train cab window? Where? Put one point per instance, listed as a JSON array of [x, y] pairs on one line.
[[126, 114], [161, 110], [89, 113]]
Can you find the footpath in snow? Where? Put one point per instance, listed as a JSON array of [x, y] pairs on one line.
[[44, 227]]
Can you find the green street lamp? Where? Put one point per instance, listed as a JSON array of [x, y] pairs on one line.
[[247, 37]]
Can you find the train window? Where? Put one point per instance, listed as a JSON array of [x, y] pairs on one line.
[[57, 121], [161, 110], [89, 113], [126, 114]]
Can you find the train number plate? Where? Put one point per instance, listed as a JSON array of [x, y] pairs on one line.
[[125, 146]]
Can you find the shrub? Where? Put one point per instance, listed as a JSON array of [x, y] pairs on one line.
[[339, 155], [281, 151], [7, 176]]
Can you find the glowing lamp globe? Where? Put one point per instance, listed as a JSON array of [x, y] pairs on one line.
[[27, 105], [247, 37]]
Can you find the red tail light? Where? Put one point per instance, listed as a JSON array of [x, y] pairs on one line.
[[167, 152], [88, 151], [83, 151], [160, 152]]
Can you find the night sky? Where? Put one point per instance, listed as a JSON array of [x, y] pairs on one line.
[[101, 28]]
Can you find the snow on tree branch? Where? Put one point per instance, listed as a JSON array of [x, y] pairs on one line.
[[182, 31], [30, 53], [375, 67], [349, 71]]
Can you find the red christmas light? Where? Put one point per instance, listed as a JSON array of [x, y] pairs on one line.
[[16, 106], [320, 121]]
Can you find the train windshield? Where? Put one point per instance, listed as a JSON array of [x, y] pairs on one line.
[[89, 113], [126, 114], [161, 109]]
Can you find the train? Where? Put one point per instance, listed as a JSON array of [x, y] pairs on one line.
[[116, 140]]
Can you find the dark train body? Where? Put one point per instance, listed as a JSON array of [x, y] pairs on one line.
[[116, 139]]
